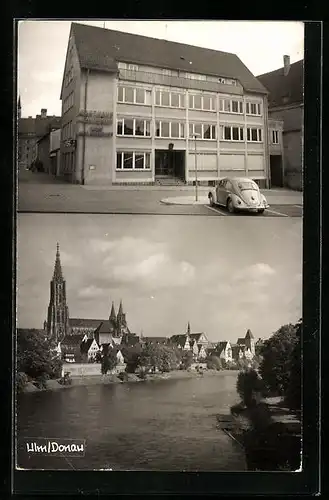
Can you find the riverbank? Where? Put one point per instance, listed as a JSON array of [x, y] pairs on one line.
[[53, 385]]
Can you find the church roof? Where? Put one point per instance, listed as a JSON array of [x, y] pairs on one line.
[[178, 339], [105, 326], [100, 49], [196, 336], [156, 340], [85, 323], [241, 341]]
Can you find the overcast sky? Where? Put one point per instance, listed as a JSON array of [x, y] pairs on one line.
[[42, 49], [221, 275]]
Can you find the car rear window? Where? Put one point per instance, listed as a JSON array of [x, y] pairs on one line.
[[243, 186]]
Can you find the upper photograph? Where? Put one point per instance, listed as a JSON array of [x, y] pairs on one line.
[[160, 117]]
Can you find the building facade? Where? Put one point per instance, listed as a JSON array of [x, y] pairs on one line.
[[286, 104], [137, 110]]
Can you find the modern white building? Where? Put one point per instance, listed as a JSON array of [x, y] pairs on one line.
[[142, 110]]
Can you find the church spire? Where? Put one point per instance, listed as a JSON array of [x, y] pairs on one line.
[[188, 331], [120, 311], [113, 316], [58, 275]]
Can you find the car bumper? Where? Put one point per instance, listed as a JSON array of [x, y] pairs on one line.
[[246, 208]]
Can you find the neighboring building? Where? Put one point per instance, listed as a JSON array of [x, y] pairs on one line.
[[195, 342], [30, 130], [134, 109], [154, 340], [245, 347], [224, 351], [286, 103], [55, 152], [70, 348], [43, 147], [89, 348]]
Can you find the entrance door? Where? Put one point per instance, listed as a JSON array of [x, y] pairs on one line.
[[170, 163], [161, 163], [276, 170]]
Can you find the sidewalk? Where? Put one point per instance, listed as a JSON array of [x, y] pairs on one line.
[[274, 197]]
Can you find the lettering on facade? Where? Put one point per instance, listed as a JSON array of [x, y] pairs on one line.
[[96, 133], [97, 117]]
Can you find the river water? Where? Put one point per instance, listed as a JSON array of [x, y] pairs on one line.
[[153, 425]]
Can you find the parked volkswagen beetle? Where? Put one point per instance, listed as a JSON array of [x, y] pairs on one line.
[[238, 194]]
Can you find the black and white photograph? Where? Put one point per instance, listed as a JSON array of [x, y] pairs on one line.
[[159, 245], [161, 344]]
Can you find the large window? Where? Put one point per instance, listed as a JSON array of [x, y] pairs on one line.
[[231, 133], [68, 102], [169, 129], [202, 131], [230, 106], [254, 134], [133, 160], [133, 127], [205, 102], [171, 99], [253, 108], [134, 95]]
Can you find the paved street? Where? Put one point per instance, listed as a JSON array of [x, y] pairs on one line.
[[38, 192]]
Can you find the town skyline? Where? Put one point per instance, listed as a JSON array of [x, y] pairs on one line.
[[251, 41], [163, 280]]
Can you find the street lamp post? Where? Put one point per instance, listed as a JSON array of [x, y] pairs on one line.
[[196, 166]]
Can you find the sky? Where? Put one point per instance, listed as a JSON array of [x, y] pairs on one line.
[[41, 49], [222, 276]]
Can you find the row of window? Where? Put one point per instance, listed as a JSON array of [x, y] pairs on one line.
[[68, 102], [176, 130], [274, 136], [133, 160], [67, 131], [135, 95], [181, 74], [68, 76]]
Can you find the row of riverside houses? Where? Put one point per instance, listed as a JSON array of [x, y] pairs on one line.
[[80, 339], [36, 138], [134, 109]]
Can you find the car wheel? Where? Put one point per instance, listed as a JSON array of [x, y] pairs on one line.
[[230, 206], [211, 200], [261, 210]]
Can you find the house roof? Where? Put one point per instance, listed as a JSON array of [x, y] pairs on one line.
[[26, 126], [161, 340], [196, 336], [100, 49], [72, 340], [105, 326], [178, 339], [283, 89], [241, 341], [249, 335], [85, 346], [84, 323]]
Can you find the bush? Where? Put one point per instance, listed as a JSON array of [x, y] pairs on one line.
[[248, 383], [21, 381]]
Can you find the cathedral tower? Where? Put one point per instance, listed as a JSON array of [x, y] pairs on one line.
[[250, 341], [58, 313], [121, 321]]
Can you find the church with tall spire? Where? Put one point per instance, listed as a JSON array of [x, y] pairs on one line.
[[57, 325]]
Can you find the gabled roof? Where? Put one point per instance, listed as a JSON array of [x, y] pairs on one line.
[[100, 49], [283, 89], [84, 323], [85, 346], [249, 335], [196, 336], [72, 340], [105, 326], [241, 341]]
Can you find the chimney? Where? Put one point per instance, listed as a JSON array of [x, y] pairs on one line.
[[43, 113], [286, 65]]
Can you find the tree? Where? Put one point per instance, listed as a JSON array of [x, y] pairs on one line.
[[294, 389], [215, 363], [35, 355], [109, 361], [131, 356], [187, 359], [151, 356], [277, 351], [248, 383]]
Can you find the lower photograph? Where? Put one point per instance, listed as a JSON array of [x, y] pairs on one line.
[[158, 343]]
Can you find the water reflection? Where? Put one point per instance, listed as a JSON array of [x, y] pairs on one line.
[[162, 425]]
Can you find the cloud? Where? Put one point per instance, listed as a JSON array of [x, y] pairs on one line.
[[90, 292], [256, 272]]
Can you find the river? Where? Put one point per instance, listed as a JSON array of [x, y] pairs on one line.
[[153, 425]]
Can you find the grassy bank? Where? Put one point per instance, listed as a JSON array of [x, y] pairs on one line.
[[52, 385]]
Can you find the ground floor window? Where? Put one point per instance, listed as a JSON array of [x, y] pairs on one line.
[[133, 160]]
